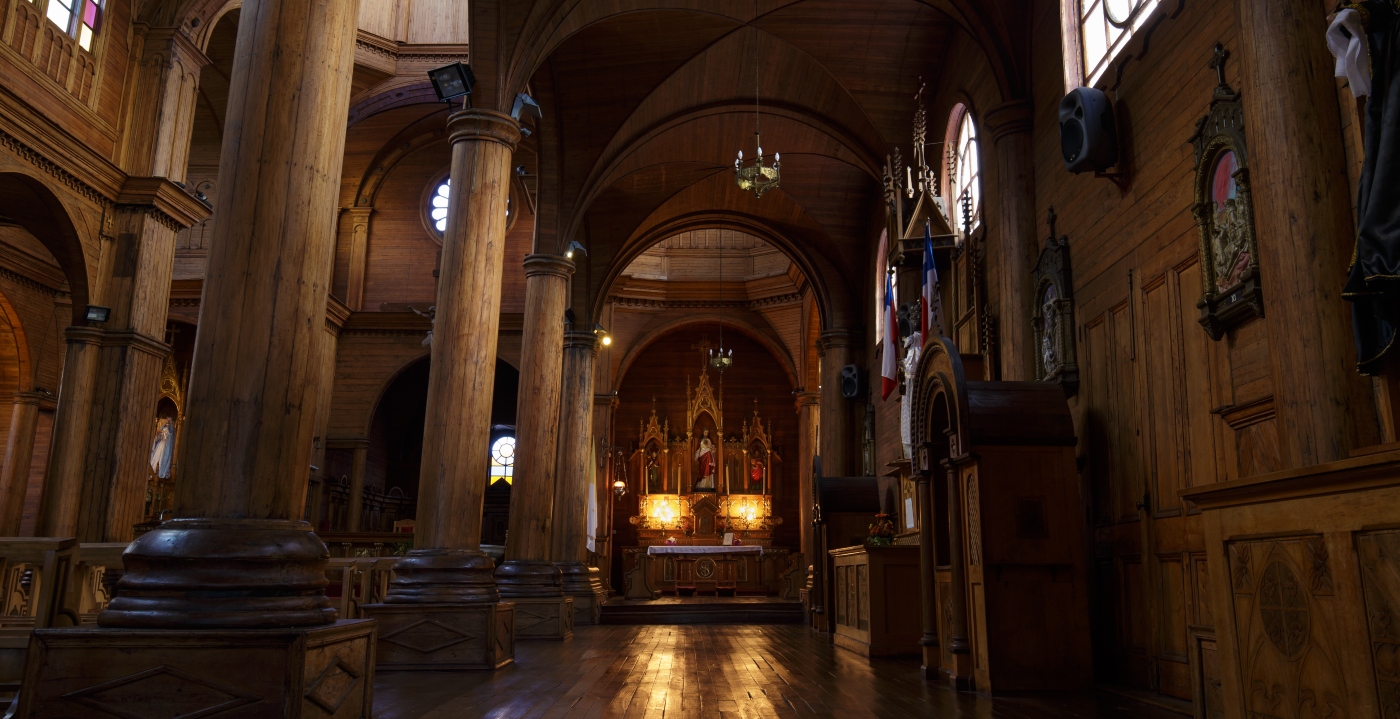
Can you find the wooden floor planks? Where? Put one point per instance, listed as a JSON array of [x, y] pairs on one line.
[[710, 672]]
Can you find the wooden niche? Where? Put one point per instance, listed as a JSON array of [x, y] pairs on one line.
[[1224, 210], [1011, 611], [1053, 314]]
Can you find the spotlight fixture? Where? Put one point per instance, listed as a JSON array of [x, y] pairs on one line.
[[453, 81], [602, 334], [97, 314], [574, 246]]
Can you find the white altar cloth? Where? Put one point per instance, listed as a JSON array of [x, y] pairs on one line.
[[706, 549]]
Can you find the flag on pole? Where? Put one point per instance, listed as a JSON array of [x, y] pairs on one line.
[[932, 307], [888, 374]]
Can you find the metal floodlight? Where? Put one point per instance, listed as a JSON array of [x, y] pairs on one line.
[[453, 81], [574, 246], [525, 105], [602, 334], [97, 314]]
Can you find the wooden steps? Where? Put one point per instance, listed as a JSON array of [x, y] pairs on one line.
[[702, 610]]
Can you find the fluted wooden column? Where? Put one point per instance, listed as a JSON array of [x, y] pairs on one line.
[[527, 570], [448, 564], [241, 556], [570, 545], [354, 503], [837, 443], [1009, 129], [58, 514], [1303, 219], [808, 411], [19, 451]]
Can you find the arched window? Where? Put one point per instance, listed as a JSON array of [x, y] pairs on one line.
[[964, 170], [503, 459], [1095, 31], [79, 18]]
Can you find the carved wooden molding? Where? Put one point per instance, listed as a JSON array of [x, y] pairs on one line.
[[1052, 314]]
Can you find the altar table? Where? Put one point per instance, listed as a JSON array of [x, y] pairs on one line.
[[705, 569]]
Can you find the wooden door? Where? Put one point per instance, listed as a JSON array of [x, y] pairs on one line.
[[1151, 424]]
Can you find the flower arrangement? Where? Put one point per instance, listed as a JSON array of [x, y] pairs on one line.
[[881, 532]]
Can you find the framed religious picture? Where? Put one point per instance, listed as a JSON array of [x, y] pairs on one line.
[[1052, 317], [1224, 211]]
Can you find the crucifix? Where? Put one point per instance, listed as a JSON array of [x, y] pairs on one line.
[[1217, 63], [704, 347]]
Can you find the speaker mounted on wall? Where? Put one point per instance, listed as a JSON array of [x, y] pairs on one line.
[[852, 382], [1088, 131]]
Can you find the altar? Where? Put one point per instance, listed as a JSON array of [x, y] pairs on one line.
[[704, 520]]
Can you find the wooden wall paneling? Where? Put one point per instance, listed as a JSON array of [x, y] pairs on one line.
[[437, 21]]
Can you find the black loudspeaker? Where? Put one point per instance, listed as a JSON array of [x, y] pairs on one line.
[[851, 383], [1088, 132]]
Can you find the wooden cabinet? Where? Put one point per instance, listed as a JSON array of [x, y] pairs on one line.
[[877, 600]]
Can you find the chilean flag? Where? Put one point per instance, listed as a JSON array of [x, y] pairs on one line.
[[888, 374], [931, 309]]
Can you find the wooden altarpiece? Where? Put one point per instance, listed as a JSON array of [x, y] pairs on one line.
[[679, 506], [1006, 600]]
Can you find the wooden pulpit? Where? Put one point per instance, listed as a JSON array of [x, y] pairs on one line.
[[1010, 610]]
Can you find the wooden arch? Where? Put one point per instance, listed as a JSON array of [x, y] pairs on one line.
[[940, 375], [30, 203]]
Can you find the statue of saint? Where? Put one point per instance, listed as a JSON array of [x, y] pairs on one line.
[[163, 448], [655, 482], [705, 464], [755, 476]]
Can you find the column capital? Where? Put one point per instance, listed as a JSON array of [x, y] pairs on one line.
[[170, 42], [167, 201], [36, 399], [1008, 118], [347, 443], [581, 339], [837, 338], [605, 399], [477, 125], [545, 264], [807, 399]]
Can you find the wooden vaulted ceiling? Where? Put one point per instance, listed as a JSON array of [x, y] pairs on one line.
[[646, 102], [645, 110]]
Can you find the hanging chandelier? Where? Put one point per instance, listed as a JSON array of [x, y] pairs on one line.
[[754, 176]]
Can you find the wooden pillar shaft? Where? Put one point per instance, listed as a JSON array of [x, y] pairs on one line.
[[354, 503], [1014, 255], [447, 564], [928, 571], [59, 513], [575, 461], [19, 451], [1305, 230], [245, 456], [527, 570], [808, 409], [836, 441]]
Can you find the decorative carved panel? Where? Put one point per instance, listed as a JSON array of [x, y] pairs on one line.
[[1288, 629], [1379, 555]]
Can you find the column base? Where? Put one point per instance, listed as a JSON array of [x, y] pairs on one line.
[[523, 578], [321, 672], [544, 618], [444, 637], [585, 585], [443, 576]]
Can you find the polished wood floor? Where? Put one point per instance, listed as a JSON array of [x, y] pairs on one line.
[[720, 672]]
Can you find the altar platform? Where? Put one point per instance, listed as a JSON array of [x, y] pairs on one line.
[[702, 610]]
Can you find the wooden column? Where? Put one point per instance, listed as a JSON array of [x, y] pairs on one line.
[[604, 404], [837, 441], [354, 503], [1009, 126], [960, 674], [19, 451], [527, 570], [928, 571], [808, 409], [101, 450], [355, 229], [574, 468], [448, 564], [244, 558], [1305, 228]]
